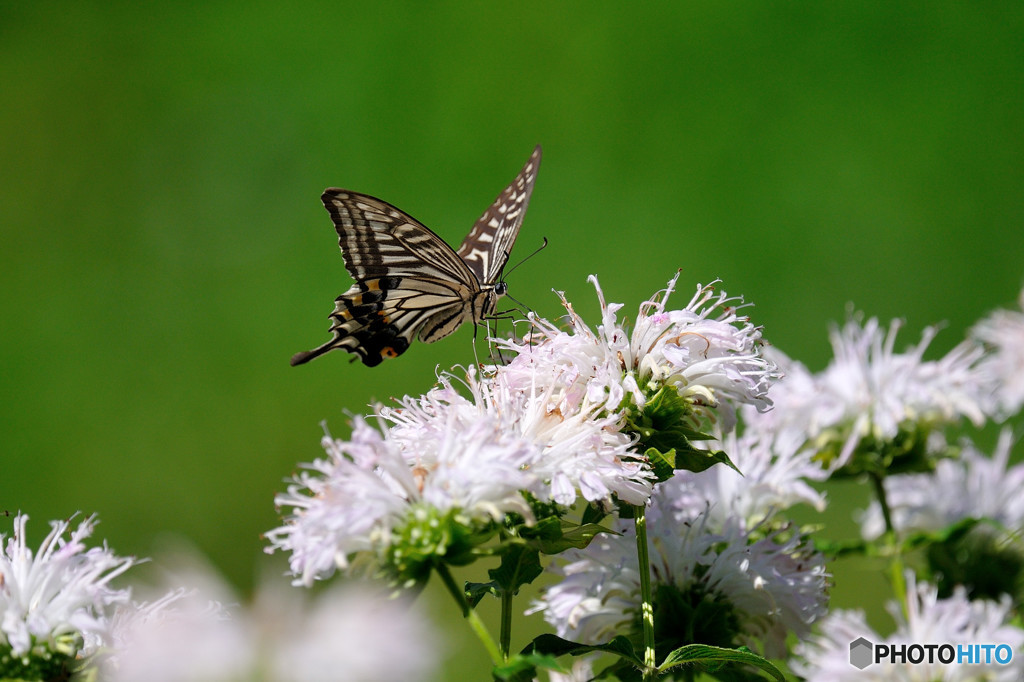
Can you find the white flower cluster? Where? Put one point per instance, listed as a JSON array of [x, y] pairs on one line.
[[369, 486], [710, 355], [768, 578], [571, 450], [715, 536], [928, 620], [550, 426]]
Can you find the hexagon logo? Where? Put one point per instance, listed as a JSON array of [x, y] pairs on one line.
[[861, 653]]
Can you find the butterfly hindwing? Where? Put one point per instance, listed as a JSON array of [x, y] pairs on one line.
[[408, 281], [378, 318], [487, 246]]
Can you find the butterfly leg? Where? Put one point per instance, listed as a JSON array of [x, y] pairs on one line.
[[476, 357]]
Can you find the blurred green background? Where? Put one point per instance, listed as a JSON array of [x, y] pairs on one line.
[[164, 250]]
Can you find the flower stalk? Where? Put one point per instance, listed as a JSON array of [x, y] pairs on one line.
[[470, 614], [896, 570], [505, 637], [646, 600]]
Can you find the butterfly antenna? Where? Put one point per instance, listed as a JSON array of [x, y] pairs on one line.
[[538, 250]]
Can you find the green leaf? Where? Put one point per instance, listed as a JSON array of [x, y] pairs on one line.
[[545, 530], [554, 536], [592, 513], [698, 460], [843, 548], [520, 566], [952, 533], [707, 656], [581, 536], [477, 591], [556, 646], [662, 463]]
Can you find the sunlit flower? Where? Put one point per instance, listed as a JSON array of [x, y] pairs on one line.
[[707, 353], [754, 587], [1002, 332], [56, 602], [928, 620], [370, 492], [598, 595]]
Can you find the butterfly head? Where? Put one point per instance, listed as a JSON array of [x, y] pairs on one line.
[[500, 289]]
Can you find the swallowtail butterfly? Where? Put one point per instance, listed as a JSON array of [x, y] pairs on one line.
[[408, 281]]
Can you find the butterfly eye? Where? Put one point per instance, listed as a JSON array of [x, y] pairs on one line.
[[500, 288]]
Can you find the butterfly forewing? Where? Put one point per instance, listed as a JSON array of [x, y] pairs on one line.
[[486, 248], [408, 281], [377, 240]]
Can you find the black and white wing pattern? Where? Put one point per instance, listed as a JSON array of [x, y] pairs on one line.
[[408, 281], [487, 246]]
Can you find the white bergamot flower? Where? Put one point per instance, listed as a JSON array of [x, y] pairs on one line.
[[772, 481], [55, 603], [376, 498]]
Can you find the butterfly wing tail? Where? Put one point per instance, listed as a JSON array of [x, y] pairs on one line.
[[372, 343], [307, 355], [366, 326]]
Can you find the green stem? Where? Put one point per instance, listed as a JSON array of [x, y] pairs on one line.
[[506, 623], [878, 484], [470, 614], [647, 603], [899, 584]]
